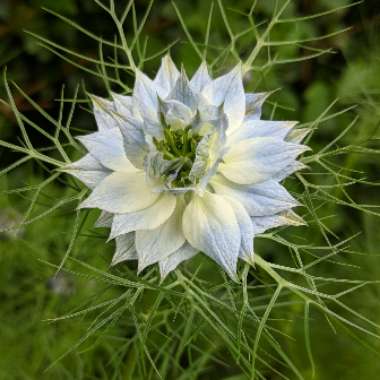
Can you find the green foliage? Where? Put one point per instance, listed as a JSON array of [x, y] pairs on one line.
[[307, 310]]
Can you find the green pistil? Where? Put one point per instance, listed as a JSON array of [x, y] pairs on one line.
[[180, 144]]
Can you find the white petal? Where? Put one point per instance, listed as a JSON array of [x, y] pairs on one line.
[[170, 263], [107, 147], [121, 192], [246, 229], [265, 198], [88, 170], [125, 107], [288, 170], [146, 219], [229, 91], [210, 225], [297, 135], [257, 160], [260, 128], [263, 223], [136, 147], [103, 111], [254, 103], [166, 77], [183, 93], [145, 95], [125, 249], [200, 79], [177, 114], [104, 220], [155, 245]]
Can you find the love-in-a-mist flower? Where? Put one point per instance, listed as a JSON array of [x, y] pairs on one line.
[[185, 166]]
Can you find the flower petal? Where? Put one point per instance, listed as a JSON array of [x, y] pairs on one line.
[[261, 199], [260, 128], [257, 160], [177, 114], [107, 147], [145, 95], [103, 111], [200, 79], [146, 219], [171, 262], [136, 147], [166, 77], [229, 91], [254, 103], [104, 220], [246, 229], [155, 245], [288, 170], [210, 225], [125, 249], [287, 218], [88, 170], [297, 135], [183, 93], [121, 192]]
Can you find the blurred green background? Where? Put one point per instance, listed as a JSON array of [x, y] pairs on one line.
[[29, 294]]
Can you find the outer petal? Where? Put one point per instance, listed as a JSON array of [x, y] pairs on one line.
[[246, 228], [107, 147], [146, 219], [254, 103], [261, 199], [261, 128], [166, 77], [210, 225], [297, 135], [103, 112], [155, 245], [229, 91], [135, 145], [145, 95], [88, 170], [170, 263], [288, 170], [263, 223], [257, 160], [200, 79], [125, 249], [121, 192], [104, 220]]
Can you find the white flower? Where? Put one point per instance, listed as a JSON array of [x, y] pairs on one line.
[[186, 166]]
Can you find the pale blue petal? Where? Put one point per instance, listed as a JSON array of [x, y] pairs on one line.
[[228, 91], [166, 77], [107, 147], [288, 218], [121, 192], [146, 219], [171, 262], [258, 160], [88, 170], [155, 245], [260, 128], [200, 79], [125, 249], [246, 229], [210, 225], [104, 113], [265, 198], [104, 220]]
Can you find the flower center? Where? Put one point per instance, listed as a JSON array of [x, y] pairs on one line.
[[179, 146]]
